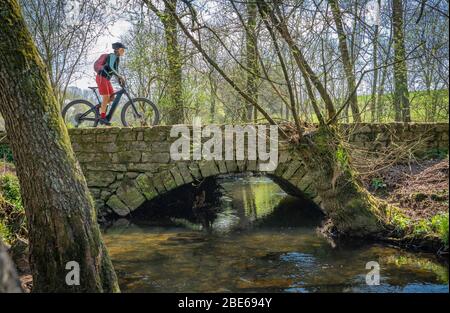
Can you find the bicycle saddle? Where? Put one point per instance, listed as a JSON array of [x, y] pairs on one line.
[[93, 88]]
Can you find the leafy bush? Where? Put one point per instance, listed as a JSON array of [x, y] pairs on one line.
[[399, 220], [422, 227], [439, 223], [12, 213], [5, 233], [10, 189]]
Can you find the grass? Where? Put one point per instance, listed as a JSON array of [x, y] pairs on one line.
[[421, 103], [436, 226]]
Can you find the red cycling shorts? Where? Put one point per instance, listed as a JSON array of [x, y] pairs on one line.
[[105, 87]]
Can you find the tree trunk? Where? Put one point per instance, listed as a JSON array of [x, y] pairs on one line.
[[350, 207], [175, 83], [213, 96], [380, 94], [346, 60], [61, 217], [373, 99], [252, 59], [401, 94], [9, 281]]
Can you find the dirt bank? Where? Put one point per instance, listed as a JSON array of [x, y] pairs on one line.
[[420, 190]]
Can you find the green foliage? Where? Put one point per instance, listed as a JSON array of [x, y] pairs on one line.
[[378, 183], [5, 233], [422, 227], [12, 213], [399, 220], [435, 226], [436, 153], [425, 106], [342, 158], [10, 189], [6, 153], [439, 223]]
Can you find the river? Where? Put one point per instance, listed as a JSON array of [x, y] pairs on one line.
[[259, 240]]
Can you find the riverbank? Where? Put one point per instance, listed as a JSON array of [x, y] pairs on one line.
[[420, 191]]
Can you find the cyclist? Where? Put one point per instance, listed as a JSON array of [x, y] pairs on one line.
[[108, 68]]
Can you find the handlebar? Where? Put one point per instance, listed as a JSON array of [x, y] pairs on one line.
[[122, 83]]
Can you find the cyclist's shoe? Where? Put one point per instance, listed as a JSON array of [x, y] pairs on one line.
[[104, 121]]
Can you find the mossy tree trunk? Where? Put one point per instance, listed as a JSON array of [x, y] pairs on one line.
[[174, 77], [251, 49], [61, 216], [374, 97], [352, 210], [401, 94]]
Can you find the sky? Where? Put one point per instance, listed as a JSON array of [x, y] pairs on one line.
[[103, 46]]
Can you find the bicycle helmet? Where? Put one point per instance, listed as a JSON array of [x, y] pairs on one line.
[[118, 45]]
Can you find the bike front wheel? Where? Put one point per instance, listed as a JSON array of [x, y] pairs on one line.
[[80, 113], [140, 112]]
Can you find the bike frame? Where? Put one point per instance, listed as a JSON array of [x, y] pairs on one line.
[[115, 103], [118, 95]]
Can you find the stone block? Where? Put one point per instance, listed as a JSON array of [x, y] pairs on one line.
[[130, 195], [126, 157], [185, 173], [231, 166], [101, 138], [145, 184], [140, 146], [208, 168], [291, 169], [222, 166], [117, 206], [168, 180], [126, 134], [177, 176], [158, 183], [143, 167], [100, 178], [158, 157]]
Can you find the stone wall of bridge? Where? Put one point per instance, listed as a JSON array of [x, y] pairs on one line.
[[124, 167]]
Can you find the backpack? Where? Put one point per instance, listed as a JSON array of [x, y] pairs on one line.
[[100, 63]]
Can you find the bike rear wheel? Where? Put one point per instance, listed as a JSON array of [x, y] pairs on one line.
[[147, 113], [79, 114]]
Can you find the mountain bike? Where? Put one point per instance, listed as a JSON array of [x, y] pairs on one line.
[[136, 112]]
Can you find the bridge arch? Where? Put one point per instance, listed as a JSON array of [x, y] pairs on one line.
[[290, 175]]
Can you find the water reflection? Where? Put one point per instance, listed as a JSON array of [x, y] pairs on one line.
[[259, 240]]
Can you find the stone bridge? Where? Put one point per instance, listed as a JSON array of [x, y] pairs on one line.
[[125, 167]]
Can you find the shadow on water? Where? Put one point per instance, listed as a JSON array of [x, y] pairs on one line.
[[244, 234]]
